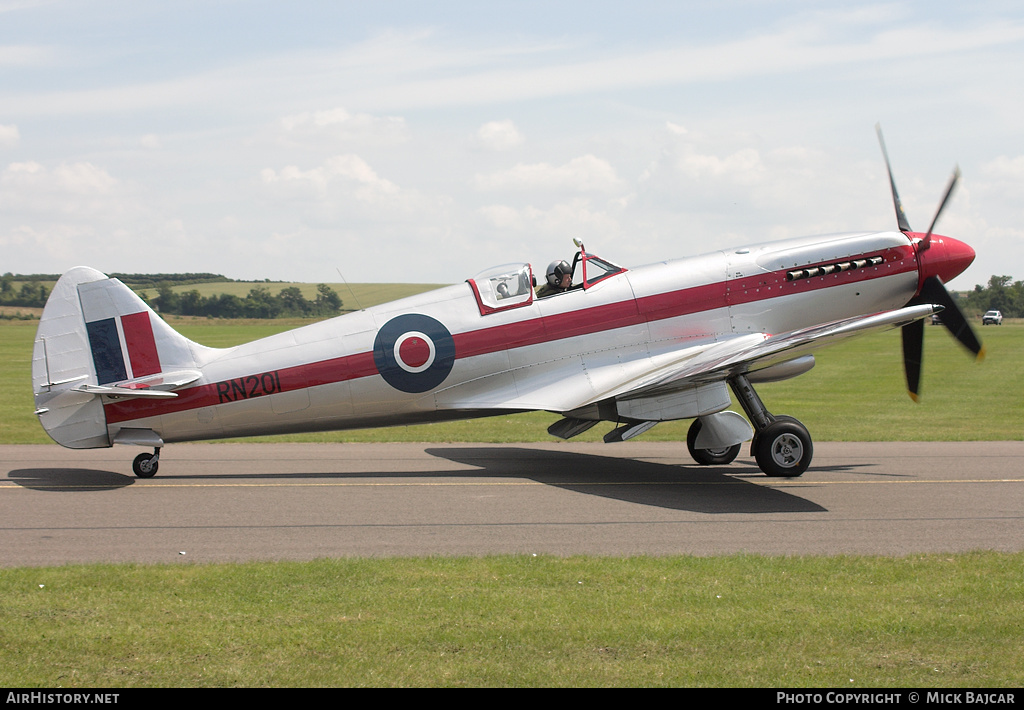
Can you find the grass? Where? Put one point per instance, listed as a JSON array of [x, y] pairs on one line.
[[927, 622], [855, 393]]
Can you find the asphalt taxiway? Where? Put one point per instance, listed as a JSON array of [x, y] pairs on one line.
[[235, 502]]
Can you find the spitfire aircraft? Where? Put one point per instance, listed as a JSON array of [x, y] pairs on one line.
[[632, 346]]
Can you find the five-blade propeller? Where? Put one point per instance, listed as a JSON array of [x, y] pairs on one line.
[[932, 290]]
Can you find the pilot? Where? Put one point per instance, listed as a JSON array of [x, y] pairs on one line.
[[559, 279]]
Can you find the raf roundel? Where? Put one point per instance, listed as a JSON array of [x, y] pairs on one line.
[[414, 353]]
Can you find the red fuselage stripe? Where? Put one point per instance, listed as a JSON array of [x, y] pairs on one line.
[[534, 331]]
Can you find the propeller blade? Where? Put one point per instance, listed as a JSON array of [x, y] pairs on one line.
[[901, 218], [954, 178], [933, 291], [913, 349]]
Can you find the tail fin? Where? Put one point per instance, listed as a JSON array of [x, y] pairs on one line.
[[97, 339]]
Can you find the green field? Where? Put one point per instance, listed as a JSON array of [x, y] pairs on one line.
[[855, 393], [930, 621]]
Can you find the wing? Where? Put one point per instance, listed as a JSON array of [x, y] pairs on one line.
[[773, 350], [666, 385]]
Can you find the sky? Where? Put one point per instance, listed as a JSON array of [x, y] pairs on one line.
[[425, 142]]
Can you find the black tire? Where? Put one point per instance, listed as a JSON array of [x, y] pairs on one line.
[[144, 466], [778, 418], [709, 457], [784, 448]]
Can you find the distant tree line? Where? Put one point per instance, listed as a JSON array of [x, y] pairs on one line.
[[31, 294], [1001, 293], [140, 281], [260, 303]]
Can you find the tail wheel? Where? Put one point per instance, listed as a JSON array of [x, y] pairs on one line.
[[783, 448], [146, 465], [709, 457]]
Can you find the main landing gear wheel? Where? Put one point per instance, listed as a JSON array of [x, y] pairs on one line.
[[781, 445], [783, 448], [146, 465], [709, 457]]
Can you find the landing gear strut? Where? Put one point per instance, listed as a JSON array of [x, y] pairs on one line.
[[781, 445], [146, 465]]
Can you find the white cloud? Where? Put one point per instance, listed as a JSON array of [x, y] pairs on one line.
[[574, 218], [67, 187], [743, 166], [53, 240], [317, 119], [338, 125], [1005, 168], [83, 179], [539, 234], [345, 169], [584, 174], [72, 212], [499, 135], [9, 136], [696, 177], [345, 209], [502, 216]]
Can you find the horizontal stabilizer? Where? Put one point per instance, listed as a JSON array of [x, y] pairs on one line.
[[158, 386], [115, 391]]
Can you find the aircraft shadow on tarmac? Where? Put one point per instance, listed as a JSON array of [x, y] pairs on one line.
[[697, 488], [703, 489], [69, 479]]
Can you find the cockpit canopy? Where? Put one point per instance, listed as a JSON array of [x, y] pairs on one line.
[[508, 286], [589, 269], [503, 287]]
